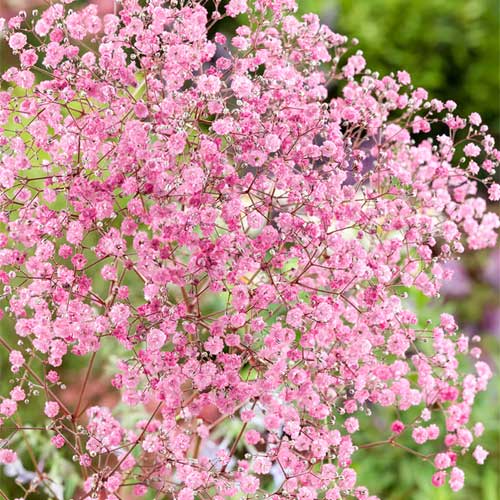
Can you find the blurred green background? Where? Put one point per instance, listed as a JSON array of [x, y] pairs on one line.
[[451, 47]]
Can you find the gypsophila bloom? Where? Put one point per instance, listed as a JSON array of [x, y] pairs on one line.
[[456, 479], [439, 478], [51, 409], [494, 192], [17, 41], [7, 456], [192, 211], [480, 454]]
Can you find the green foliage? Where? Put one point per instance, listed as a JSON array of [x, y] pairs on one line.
[[450, 47]]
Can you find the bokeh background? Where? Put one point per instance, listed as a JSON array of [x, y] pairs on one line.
[[452, 48]]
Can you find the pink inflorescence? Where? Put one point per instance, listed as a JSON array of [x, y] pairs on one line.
[[232, 223]]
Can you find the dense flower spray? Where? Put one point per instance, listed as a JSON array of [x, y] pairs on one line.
[[158, 168]]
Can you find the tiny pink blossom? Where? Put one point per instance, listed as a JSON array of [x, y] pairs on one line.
[[420, 435], [456, 480], [141, 110], [442, 461], [17, 41], [28, 58], [52, 376], [16, 360], [475, 119], [51, 409], [186, 494], [404, 77], [351, 425], [472, 150], [249, 484], [478, 429], [494, 192], [155, 339], [252, 437], [272, 143], [438, 479], [57, 441], [397, 427], [236, 7], [480, 454], [7, 456], [17, 394], [241, 86]]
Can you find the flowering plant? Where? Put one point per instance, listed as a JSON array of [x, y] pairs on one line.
[[239, 221]]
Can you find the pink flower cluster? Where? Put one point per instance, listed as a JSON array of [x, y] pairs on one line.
[[238, 220]]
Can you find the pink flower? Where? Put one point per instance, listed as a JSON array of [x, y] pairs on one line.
[[241, 86], [57, 441], [155, 339], [214, 345], [17, 41], [456, 480], [16, 360], [17, 394], [249, 484], [252, 437], [113, 482], [141, 110], [223, 126], [397, 427], [447, 321], [404, 77], [28, 58], [262, 465], [442, 461], [54, 54], [209, 84], [8, 407], [25, 79], [294, 317], [420, 435], [351, 425], [7, 456], [480, 454], [236, 7], [494, 192], [140, 490], [51, 409], [433, 432], [272, 143], [323, 312], [52, 376], [478, 429], [439, 478], [472, 150], [475, 119], [186, 494]]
